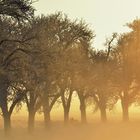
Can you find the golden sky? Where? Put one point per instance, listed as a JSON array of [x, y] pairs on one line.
[[104, 16]]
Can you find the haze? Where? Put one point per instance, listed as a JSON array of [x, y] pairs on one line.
[[57, 82]]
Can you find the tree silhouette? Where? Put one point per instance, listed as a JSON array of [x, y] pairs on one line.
[[11, 48], [18, 9], [128, 46], [102, 90]]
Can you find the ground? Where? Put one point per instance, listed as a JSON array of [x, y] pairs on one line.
[[76, 131]]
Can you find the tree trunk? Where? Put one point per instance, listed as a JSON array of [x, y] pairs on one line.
[[103, 114], [7, 123], [6, 117], [83, 109], [66, 115], [83, 113], [125, 111], [31, 121], [46, 109], [66, 102], [102, 106], [47, 118]]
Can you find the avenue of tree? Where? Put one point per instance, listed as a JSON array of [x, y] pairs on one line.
[[44, 60]]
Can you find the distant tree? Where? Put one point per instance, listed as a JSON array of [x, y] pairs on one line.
[[57, 38], [81, 80], [128, 60], [102, 90], [73, 60]]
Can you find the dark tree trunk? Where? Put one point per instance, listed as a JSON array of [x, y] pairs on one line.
[[4, 83], [46, 109], [66, 105], [47, 118], [125, 110], [82, 108], [102, 106], [66, 115], [83, 113], [6, 116], [31, 121], [7, 123], [103, 114]]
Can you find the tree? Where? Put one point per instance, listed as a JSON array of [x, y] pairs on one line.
[[34, 88], [57, 36], [128, 60], [18, 9], [81, 81], [11, 48], [102, 91]]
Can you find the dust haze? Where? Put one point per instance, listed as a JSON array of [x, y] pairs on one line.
[[75, 131], [55, 85]]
